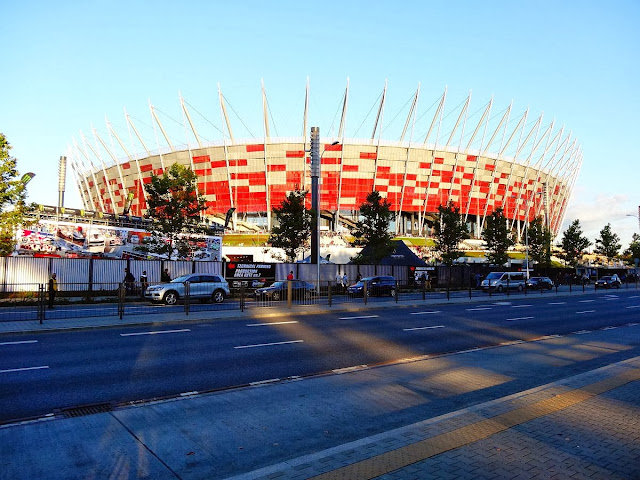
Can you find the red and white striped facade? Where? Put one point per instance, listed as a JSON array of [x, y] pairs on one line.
[[255, 176]]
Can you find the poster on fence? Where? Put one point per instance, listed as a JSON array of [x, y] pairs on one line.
[[249, 275]]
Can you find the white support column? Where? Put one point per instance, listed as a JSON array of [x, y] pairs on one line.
[[406, 160], [266, 162], [164, 132], [137, 162], [463, 114], [484, 117], [538, 167], [78, 174], [186, 135], [91, 169], [343, 125], [153, 118], [193, 127], [104, 171], [225, 120], [113, 157], [133, 127]]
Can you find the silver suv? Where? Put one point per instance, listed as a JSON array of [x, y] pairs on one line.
[[203, 286]]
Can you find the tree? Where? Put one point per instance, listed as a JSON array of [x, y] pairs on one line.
[[373, 229], [497, 237], [450, 230], [174, 204], [608, 244], [13, 194], [634, 248], [574, 243], [293, 229], [539, 238]]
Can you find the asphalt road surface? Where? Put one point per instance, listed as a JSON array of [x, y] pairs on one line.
[[40, 374]]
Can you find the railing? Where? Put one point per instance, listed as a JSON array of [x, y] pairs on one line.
[[73, 300]]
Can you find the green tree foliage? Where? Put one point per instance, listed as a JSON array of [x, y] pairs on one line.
[[497, 236], [13, 193], [633, 251], [293, 229], [372, 230], [608, 244], [539, 237], [174, 204], [573, 243], [450, 230]]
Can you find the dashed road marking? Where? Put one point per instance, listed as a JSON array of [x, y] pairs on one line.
[[586, 311], [477, 309], [358, 318], [520, 306], [422, 328], [270, 323], [19, 343], [634, 306], [23, 369], [518, 318], [557, 303], [424, 313], [157, 332], [269, 344], [585, 301]]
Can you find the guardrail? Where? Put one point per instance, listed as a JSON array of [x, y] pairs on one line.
[[36, 301]]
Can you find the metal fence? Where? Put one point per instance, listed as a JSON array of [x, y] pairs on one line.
[[34, 301]]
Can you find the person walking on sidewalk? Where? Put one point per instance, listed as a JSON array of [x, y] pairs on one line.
[[290, 276], [164, 276], [53, 288]]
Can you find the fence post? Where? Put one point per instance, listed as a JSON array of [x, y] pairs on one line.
[[41, 302], [242, 297], [397, 291], [507, 285], [121, 299], [469, 290], [289, 282], [364, 291], [328, 291], [187, 297], [424, 290]]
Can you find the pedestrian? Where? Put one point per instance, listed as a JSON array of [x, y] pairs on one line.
[[290, 276], [345, 281], [144, 283], [129, 280], [53, 288], [164, 276], [338, 282], [423, 279], [359, 277]]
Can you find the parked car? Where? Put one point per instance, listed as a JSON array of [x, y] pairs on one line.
[[540, 283], [201, 286], [376, 286], [501, 281], [609, 281], [278, 290]]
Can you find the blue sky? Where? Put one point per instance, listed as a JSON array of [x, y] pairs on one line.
[[67, 65]]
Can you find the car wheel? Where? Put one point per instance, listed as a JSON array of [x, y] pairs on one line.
[[392, 292], [276, 296], [520, 288], [217, 296], [170, 298], [500, 289]]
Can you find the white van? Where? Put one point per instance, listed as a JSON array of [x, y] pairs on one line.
[[501, 281]]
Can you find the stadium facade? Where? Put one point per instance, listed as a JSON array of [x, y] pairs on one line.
[[527, 170]]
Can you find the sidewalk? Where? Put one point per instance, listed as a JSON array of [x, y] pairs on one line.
[[562, 407]]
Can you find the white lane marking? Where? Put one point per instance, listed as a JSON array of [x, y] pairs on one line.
[[587, 311], [422, 328], [357, 318], [520, 306], [476, 309], [424, 313], [264, 382], [634, 296], [634, 306], [518, 318], [23, 369], [269, 344], [155, 333], [19, 343], [585, 301], [582, 332], [612, 298], [270, 323], [557, 303]]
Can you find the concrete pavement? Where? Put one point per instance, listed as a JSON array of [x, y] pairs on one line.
[[558, 407]]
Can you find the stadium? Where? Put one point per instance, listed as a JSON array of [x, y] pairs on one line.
[[481, 161]]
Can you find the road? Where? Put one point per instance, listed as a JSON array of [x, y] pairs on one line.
[[42, 373]]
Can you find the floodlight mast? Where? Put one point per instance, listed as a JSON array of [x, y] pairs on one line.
[[315, 194]]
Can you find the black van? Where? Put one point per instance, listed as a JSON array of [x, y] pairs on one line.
[[376, 286]]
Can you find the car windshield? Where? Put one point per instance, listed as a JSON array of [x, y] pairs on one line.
[[494, 276], [181, 279], [606, 279], [277, 284]]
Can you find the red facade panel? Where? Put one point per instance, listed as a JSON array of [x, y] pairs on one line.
[[255, 148], [368, 155]]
